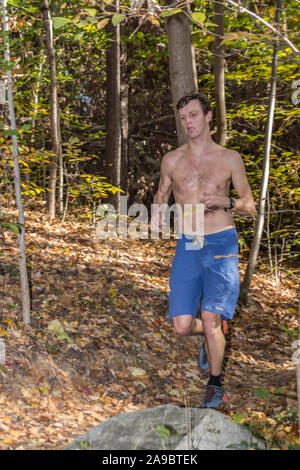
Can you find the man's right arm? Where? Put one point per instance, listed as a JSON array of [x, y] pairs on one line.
[[163, 193]]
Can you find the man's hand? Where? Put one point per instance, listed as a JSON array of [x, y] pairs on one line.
[[214, 202]]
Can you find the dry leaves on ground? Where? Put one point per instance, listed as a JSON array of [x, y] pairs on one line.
[[101, 343]]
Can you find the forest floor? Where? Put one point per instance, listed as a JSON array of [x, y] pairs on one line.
[[100, 342]]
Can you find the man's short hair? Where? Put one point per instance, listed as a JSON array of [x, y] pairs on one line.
[[201, 97]]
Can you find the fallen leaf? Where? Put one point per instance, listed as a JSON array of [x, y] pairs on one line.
[[58, 328], [137, 372]]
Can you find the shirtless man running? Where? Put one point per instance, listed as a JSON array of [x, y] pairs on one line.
[[201, 171]]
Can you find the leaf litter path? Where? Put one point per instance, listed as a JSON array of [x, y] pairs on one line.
[[118, 351]]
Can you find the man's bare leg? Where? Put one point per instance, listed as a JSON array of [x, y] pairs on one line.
[[210, 326], [215, 341]]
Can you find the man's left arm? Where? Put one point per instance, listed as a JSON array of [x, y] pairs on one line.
[[244, 204]]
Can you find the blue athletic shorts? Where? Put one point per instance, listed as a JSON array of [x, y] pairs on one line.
[[205, 271]]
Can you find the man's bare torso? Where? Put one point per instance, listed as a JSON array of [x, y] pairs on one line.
[[193, 175]]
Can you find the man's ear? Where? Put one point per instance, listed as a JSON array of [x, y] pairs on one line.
[[209, 116]]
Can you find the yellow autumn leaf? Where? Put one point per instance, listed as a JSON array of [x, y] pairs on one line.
[[293, 311], [112, 292], [198, 16], [293, 438], [102, 23], [154, 20], [4, 333], [9, 322], [268, 435], [8, 440]]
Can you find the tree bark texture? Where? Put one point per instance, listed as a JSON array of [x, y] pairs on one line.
[[266, 169], [124, 91], [219, 74], [182, 65], [54, 108], [113, 109], [17, 179]]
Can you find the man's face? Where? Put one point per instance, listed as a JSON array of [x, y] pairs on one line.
[[193, 120]]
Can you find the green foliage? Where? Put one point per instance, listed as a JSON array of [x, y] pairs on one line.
[[84, 445], [93, 188], [116, 19], [172, 12], [162, 431], [59, 22], [57, 327], [87, 185], [14, 227], [81, 41]]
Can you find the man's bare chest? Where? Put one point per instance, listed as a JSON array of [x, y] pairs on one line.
[[193, 176]]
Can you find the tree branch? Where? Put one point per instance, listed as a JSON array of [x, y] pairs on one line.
[[261, 20]]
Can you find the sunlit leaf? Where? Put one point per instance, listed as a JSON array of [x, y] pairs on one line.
[[59, 22], [198, 16], [116, 19]]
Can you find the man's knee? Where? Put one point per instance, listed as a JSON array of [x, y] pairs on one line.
[[211, 323], [183, 325]]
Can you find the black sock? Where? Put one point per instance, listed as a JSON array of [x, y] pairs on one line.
[[215, 380]]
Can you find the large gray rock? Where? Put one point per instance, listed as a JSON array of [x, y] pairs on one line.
[[167, 427]]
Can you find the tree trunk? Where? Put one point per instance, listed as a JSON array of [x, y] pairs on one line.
[[36, 87], [219, 74], [113, 110], [266, 167], [17, 181], [35, 99], [54, 109], [182, 65], [124, 89], [61, 174]]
